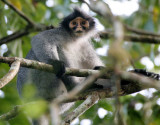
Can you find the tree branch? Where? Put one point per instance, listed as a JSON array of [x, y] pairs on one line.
[[11, 114], [19, 108], [134, 38], [31, 27], [20, 13], [136, 83], [151, 38], [89, 102], [140, 32], [14, 36], [75, 72], [11, 74], [79, 88], [144, 37], [23, 32], [49, 68]]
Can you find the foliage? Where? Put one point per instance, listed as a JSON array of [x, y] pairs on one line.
[[147, 18]]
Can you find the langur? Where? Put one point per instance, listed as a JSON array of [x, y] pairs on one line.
[[65, 46]]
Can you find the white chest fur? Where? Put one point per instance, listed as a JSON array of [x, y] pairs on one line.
[[74, 53]]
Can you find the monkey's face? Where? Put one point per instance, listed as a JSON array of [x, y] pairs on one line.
[[79, 26]]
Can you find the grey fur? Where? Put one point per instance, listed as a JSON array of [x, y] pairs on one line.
[[57, 44]]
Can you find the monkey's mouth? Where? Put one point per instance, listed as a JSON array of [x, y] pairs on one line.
[[79, 31]]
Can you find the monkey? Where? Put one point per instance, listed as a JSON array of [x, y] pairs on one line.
[[68, 45]]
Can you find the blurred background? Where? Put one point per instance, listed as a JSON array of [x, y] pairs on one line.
[[141, 108]]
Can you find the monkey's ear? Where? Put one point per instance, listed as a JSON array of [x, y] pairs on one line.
[[59, 68]]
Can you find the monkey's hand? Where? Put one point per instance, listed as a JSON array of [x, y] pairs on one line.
[[98, 67], [59, 68]]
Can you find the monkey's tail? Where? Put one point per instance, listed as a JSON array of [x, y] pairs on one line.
[[145, 73]]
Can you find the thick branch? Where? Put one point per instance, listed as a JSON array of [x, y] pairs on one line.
[[69, 71], [48, 68]]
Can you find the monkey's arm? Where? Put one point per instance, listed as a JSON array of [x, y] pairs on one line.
[[45, 49]]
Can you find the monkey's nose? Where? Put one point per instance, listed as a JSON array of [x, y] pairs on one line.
[[79, 29]]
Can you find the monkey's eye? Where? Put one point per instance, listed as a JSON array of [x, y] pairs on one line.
[[74, 23], [83, 22]]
